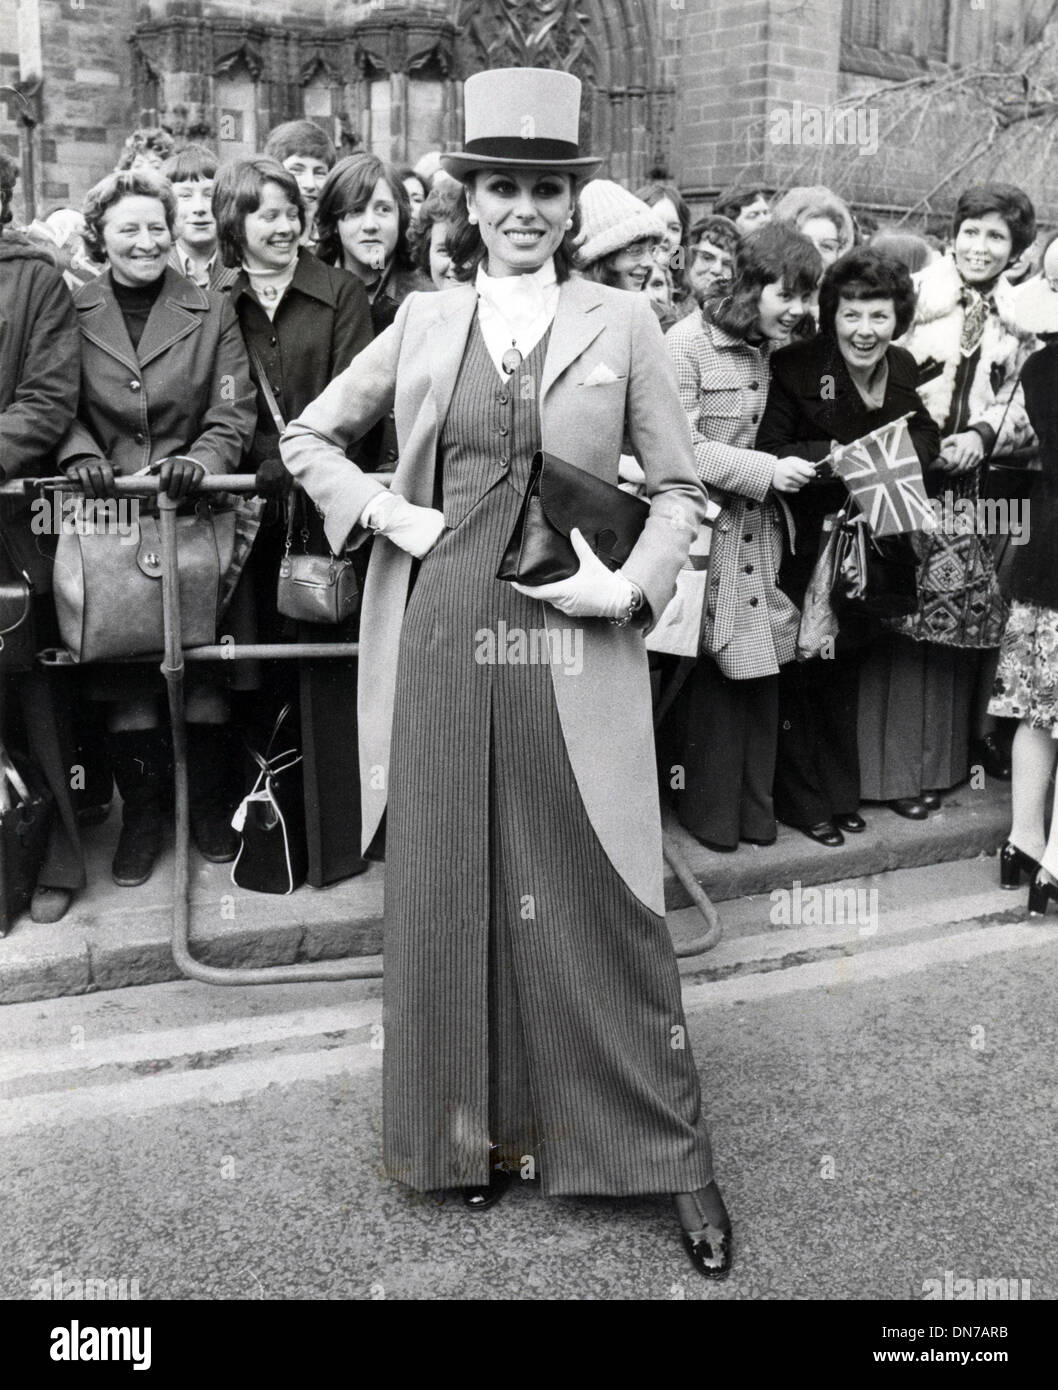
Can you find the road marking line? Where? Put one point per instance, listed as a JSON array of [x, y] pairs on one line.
[[870, 965], [129, 1048], [220, 1085]]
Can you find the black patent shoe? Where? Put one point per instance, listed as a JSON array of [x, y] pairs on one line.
[[931, 801], [851, 822], [825, 833], [1041, 892], [1014, 862], [710, 1251], [992, 758], [709, 1244], [910, 807], [481, 1198]]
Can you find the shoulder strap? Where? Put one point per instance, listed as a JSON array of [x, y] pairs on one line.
[[266, 389]]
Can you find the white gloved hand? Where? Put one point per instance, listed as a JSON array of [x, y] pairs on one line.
[[593, 592], [415, 529]]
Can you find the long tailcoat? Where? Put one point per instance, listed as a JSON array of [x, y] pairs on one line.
[[605, 712]]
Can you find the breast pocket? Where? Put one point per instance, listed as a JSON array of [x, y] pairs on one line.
[[720, 400]]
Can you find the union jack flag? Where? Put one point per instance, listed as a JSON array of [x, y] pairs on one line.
[[883, 474]]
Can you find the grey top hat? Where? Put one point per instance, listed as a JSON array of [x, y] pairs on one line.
[[520, 118]]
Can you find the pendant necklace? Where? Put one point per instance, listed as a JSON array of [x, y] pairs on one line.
[[511, 359]]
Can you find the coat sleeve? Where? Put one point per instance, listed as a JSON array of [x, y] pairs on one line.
[[783, 423], [231, 416], [657, 429], [313, 447], [746, 472], [44, 401]]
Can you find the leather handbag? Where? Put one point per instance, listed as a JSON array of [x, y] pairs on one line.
[[873, 575], [314, 588], [17, 632], [273, 856], [108, 587], [559, 497]]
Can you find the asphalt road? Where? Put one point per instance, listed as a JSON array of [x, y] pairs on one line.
[[882, 1097]]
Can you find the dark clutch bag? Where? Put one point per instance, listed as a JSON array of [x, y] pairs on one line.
[[558, 498]]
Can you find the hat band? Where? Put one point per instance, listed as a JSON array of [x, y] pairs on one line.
[[514, 147]]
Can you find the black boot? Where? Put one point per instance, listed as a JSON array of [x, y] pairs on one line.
[[212, 790], [140, 762]]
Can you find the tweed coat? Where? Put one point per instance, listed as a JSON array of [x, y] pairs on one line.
[[413, 366], [751, 625], [996, 403], [185, 390]]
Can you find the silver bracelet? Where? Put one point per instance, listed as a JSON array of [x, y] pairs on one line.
[[635, 603]]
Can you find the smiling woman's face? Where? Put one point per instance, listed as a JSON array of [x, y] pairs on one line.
[[522, 216], [137, 239]]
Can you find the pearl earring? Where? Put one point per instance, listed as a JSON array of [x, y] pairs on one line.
[[569, 223]]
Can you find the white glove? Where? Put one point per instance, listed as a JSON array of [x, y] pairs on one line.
[[414, 529], [593, 592]]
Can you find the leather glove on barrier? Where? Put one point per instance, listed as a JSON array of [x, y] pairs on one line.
[[177, 476], [593, 592], [272, 479], [95, 477], [415, 529]]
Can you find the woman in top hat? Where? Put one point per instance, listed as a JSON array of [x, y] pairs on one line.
[[533, 1005]]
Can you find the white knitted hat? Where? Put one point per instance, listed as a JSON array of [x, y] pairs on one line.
[[610, 218]]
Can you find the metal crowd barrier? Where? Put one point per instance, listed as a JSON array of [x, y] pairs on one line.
[[172, 669]]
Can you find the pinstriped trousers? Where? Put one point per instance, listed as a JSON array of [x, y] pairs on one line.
[[531, 1000]]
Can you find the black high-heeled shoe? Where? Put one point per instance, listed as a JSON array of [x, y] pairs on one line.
[[710, 1246], [1040, 894], [1014, 862]]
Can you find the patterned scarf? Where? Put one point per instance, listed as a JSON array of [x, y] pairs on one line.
[[976, 309]]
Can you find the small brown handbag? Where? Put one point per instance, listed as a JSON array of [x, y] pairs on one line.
[[314, 588]]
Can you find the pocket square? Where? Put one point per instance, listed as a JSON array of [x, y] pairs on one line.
[[600, 375]]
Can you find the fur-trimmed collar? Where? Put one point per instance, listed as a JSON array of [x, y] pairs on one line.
[[940, 287]]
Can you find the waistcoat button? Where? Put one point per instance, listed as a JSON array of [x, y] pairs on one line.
[[134, 385]]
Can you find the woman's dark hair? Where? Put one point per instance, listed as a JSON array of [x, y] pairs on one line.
[[1010, 202], [348, 188], [652, 194], [731, 202], [445, 203], [8, 177], [191, 164], [866, 273], [468, 249], [405, 171], [237, 192], [125, 183], [909, 249], [772, 253]]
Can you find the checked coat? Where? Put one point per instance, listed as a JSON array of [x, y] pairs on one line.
[[751, 626]]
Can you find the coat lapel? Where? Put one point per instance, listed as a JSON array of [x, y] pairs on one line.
[[446, 343], [576, 326], [102, 323], [177, 312]]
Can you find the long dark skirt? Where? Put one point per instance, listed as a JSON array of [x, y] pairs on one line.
[[916, 701], [530, 998]]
